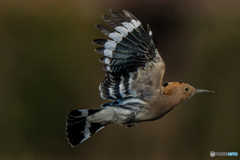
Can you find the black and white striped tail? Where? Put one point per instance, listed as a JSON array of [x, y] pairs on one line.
[[78, 128]]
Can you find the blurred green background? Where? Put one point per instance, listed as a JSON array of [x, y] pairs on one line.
[[48, 67]]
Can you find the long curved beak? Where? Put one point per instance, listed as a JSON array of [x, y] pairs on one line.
[[204, 91]]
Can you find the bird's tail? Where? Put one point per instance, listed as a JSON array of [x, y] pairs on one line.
[[78, 128]]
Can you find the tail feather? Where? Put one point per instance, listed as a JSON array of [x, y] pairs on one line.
[[78, 128]]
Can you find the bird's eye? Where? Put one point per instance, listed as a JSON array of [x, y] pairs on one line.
[[186, 89]]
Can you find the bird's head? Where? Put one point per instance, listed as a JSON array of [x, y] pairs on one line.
[[181, 90]]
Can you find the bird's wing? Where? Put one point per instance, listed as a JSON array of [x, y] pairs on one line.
[[133, 66]]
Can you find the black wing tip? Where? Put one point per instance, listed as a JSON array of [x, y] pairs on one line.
[[98, 26], [100, 42], [105, 30], [99, 50], [105, 16], [129, 15], [95, 41], [112, 11], [102, 60]]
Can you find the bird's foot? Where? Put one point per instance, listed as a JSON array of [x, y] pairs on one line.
[[129, 121]]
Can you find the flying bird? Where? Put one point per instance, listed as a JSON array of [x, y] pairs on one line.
[[133, 81]]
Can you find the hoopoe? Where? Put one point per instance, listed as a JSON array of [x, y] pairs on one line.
[[133, 81]]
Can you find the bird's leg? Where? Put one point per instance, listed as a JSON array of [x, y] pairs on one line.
[[129, 121]]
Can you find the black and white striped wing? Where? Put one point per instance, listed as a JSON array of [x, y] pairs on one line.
[[133, 65]]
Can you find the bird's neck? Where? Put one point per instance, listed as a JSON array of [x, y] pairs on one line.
[[166, 103]]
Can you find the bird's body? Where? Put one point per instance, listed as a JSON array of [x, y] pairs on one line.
[[133, 82]]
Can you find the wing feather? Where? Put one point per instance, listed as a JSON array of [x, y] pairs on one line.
[[133, 66]]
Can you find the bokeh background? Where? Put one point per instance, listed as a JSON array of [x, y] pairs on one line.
[[48, 67]]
